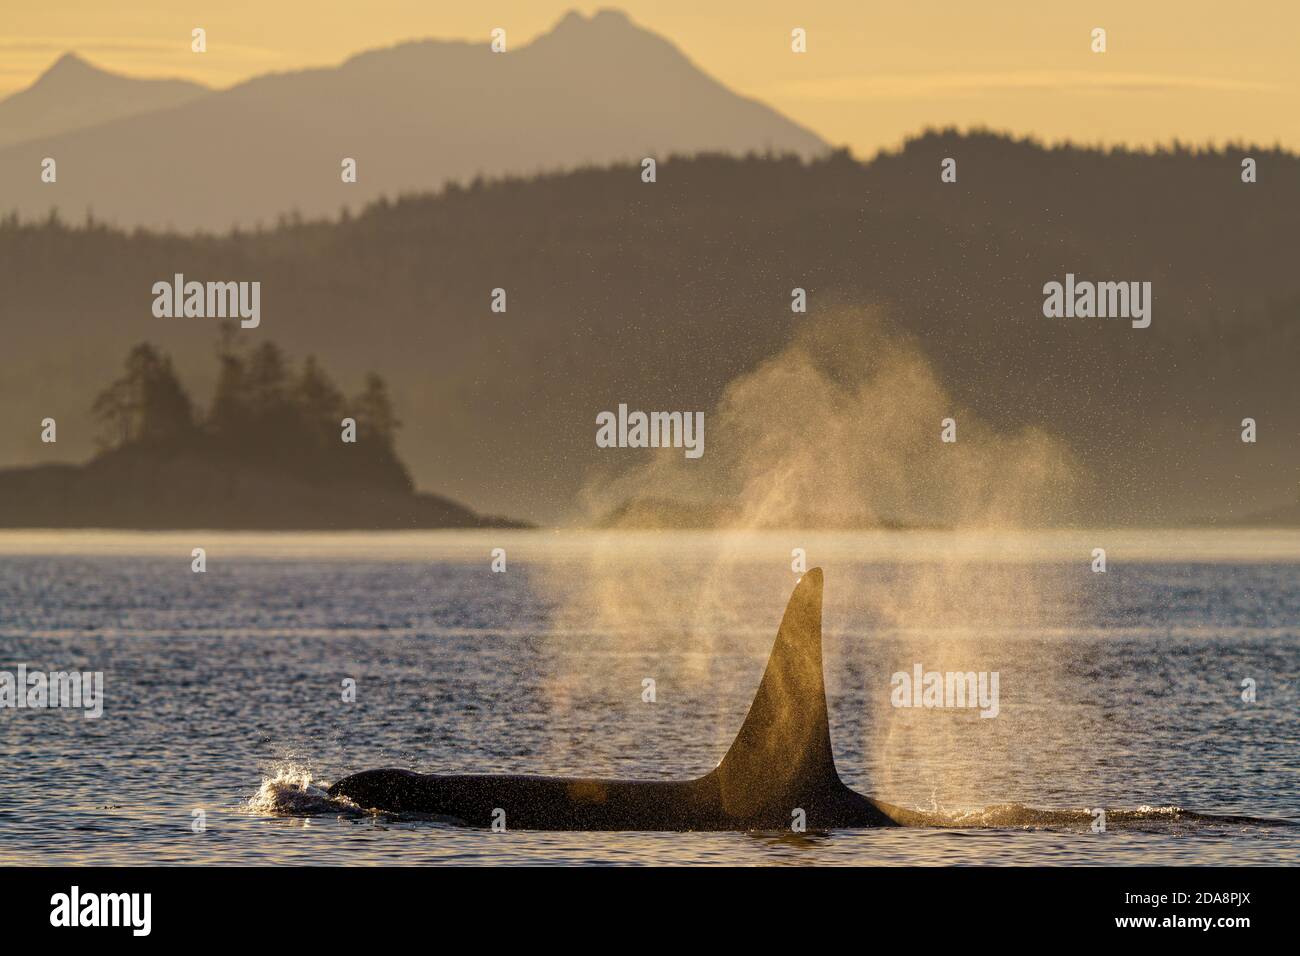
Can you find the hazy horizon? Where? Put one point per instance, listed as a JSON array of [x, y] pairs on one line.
[[1170, 72]]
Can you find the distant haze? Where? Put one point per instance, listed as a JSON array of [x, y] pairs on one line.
[[412, 116], [73, 94], [874, 72], [925, 298], [677, 296]]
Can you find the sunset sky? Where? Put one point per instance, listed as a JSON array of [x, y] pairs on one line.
[[873, 73]]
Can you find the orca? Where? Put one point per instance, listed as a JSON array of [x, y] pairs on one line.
[[780, 763]]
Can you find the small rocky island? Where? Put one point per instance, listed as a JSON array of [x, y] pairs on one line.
[[278, 449]]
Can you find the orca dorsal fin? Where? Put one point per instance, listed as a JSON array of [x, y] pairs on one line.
[[783, 751]]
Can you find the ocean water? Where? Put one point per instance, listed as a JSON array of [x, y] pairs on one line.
[[1120, 691]]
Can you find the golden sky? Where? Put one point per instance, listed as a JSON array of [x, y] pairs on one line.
[[1195, 70]]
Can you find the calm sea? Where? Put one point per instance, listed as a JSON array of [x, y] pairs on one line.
[[1128, 691]]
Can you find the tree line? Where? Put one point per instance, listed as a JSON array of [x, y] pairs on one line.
[[263, 410]]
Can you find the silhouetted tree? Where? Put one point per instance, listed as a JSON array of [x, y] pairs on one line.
[[268, 379], [112, 409], [375, 415], [147, 404], [229, 412], [318, 402]]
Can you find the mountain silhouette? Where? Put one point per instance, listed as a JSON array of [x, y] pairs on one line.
[[591, 91], [73, 94], [661, 295]]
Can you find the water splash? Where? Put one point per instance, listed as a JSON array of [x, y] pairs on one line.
[[294, 791]]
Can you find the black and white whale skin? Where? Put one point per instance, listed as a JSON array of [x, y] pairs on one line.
[[780, 763]]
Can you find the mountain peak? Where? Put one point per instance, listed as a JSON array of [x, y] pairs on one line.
[[611, 15], [598, 88], [69, 64], [71, 71], [73, 93], [605, 17]]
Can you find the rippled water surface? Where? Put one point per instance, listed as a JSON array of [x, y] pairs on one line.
[[224, 690]]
